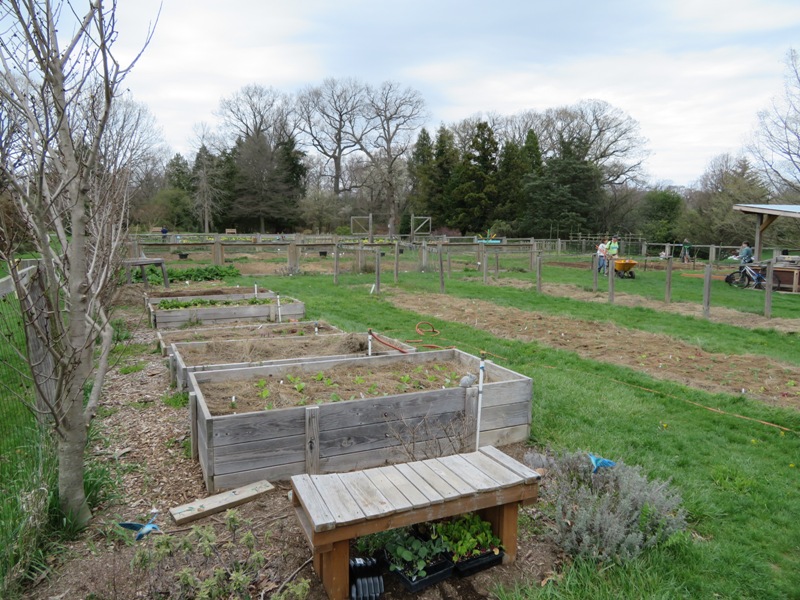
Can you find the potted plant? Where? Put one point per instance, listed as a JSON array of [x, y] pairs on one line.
[[470, 543], [419, 563]]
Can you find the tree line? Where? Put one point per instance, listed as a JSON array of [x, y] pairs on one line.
[[310, 161]]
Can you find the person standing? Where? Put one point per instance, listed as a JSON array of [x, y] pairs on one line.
[[612, 250], [686, 251], [745, 253], [601, 255]]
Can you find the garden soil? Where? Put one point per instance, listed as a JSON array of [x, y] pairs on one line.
[[143, 440]]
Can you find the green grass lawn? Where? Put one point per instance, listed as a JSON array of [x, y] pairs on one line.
[[740, 480]]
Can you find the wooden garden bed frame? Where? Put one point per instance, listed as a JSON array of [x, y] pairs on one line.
[[235, 450]]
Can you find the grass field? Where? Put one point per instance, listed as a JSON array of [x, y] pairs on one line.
[[740, 480]]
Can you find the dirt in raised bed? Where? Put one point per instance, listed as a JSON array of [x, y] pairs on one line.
[[242, 331], [220, 352], [296, 388]]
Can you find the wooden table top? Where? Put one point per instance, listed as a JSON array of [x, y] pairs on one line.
[[339, 499]]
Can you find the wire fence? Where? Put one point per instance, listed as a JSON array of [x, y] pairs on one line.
[[27, 457]]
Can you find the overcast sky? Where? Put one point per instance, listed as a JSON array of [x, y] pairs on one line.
[[693, 73]]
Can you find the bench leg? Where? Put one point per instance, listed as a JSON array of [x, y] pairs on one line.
[[504, 525], [164, 274], [333, 568]]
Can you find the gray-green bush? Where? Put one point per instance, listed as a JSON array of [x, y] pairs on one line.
[[611, 515]]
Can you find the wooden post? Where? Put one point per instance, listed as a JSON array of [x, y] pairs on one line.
[[292, 257], [449, 264], [595, 267], [193, 424], [485, 265], [504, 520], [378, 271], [217, 254], [424, 255], [668, 286], [312, 440], [533, 255], [497, 262], [441, 269], [396, 260], [360, 257], [335, 264], [611, 277], [707, 292], [768, 289], [539, 272]]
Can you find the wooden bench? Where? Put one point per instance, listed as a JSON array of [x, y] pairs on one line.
[[230, 232], [335, 508], [142, 263]]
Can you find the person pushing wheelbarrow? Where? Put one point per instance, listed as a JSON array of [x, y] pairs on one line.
[[622, 267]]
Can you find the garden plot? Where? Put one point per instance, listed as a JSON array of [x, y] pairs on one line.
[[166, 313], [241, 331], [339, 414], [188, 357]]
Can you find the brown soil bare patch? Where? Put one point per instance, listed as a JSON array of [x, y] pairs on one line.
[[660, 356], [219, 352], [344, 383]]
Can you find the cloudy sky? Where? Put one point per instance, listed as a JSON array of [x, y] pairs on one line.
[[693, 73]]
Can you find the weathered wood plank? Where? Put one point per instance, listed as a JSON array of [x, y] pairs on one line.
[[248, 427], [236, 479], [314, 504], [464, 488], [468, 472], [386, 479], [502, 476], [378, 435], [379, 457], [366, 494], [338, 500], [214, 504], [506, 435], [528, 475], [508, 415], [259, 454], [436, 481], [390, 408], [420, 484]]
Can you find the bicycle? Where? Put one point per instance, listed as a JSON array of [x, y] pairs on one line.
[[747, 276]]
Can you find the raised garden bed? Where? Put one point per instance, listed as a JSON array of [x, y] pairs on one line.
[[174, 312], [241, 331], [240, 433], [189, 357]]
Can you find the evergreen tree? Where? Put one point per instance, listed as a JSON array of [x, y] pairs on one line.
[[564, 197], [445, 161], [270, 184], [515, 163], [420, 170], [474, 196]]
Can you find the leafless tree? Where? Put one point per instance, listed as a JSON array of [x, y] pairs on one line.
[[611, 137], [331, 117], [257, 111], [68, 183], [395, 114], [777, 142]]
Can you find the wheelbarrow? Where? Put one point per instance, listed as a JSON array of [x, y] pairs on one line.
[[623, 267]]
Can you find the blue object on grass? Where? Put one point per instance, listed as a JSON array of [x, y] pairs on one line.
[[600, 463], [141, 530]]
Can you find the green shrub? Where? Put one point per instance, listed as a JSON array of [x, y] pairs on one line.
[[611, 515]]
